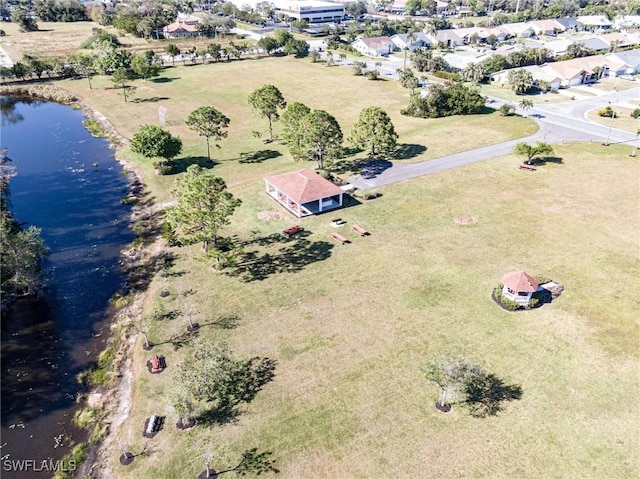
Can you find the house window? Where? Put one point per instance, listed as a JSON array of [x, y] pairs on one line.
[[510, 291], [523, 294]]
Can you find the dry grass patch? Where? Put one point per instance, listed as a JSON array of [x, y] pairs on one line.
[[623, 121], [351, 325]]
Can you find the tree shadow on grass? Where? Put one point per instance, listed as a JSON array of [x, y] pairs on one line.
[[486, 395], [152, 99], [406, 151], [296, 253], [183, 163], [372, 168], [164, 79], [253, 375], [543, 160], [258, 156]]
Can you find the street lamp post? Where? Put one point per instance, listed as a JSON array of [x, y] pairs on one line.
[[613, 115]]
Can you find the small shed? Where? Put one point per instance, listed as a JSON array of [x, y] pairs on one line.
[[519, 286], [304, 192]]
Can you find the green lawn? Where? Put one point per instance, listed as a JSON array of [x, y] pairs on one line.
[[622, 121], [226, 86], [351, 325]]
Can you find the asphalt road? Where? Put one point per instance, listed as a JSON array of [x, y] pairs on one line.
[[558, 123]]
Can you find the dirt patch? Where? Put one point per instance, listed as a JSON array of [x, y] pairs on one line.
[[270, 216], [465, 220]]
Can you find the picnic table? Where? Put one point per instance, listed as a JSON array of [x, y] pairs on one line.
[[293, 230], [524, 166], [340, 238], [360, 230]]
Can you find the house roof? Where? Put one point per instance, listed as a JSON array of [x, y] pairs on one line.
[[546, 25], [303, 186], [376, 42], [520, 281], [594, 43], [594, 20], [567, 22], [631, 58]]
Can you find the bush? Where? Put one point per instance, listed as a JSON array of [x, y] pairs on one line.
[[164, 167], [607, 112], [506, 110], [635, 113], [533, 302], [504, 302], [447, 75]]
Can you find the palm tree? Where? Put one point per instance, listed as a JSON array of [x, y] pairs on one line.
[[525, 105]]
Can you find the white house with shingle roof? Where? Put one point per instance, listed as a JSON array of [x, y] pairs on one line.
[[374, 46], [594, 22]]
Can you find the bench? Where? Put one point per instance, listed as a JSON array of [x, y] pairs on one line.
[[158, 363], [526, 167], [360, 230], [293, 230], [339, 237], [153, 425]]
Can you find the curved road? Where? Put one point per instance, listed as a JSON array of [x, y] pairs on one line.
[[558, 123]]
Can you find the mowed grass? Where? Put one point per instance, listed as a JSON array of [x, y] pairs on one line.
[[226, 86], [351, 325], [622, 121]]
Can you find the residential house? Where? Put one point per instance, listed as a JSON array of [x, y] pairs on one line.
[[569, 24], [185, 26], [619, 40], [630, 58], [547, 27], [594, 22], [411, 42], [374, 46], [458, 61], [558, 47], [623, 22], [596, 44], [449, 38], [518, 30]]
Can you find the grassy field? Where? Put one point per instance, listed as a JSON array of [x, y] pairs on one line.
[[623, 120], [351, 325], [181, 89]]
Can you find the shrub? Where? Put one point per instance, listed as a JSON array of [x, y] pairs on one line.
[[164, 167], [635, 113], [447, 75], [506, 110], [533, 302], [607, 112], [504, 302]]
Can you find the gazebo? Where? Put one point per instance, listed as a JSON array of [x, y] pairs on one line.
[[518, 287], [304, 192]]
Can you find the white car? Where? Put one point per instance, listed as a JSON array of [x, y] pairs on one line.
[[628, 77]]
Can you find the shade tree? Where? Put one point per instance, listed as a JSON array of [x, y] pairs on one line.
[[452, 375], [374, 131], [532, 151], [291, 133], [267, 101], [153, 142], [321, 137], [208, 122], [203, 206]]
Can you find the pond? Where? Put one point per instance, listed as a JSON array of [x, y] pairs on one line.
[[69, 184]]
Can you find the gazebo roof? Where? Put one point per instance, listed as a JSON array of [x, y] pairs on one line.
[[303, 186], [520, 281]]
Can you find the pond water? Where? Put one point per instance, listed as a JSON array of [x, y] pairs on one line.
[[68, 184]]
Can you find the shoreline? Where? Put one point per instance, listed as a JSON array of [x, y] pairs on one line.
[[114, 403]]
